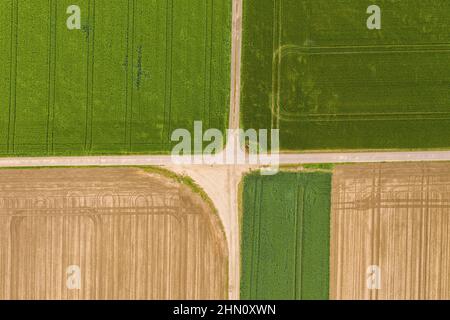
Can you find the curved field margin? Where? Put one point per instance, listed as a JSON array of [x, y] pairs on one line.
[[107, 233], [133, 73]]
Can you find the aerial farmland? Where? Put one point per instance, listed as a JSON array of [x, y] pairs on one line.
[[351, 232], [285, 236], [132, 72], [390, 232], [317, 72], [107, 233], [321, 134]]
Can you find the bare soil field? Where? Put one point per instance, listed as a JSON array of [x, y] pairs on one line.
[[107, 233], [395, 217]]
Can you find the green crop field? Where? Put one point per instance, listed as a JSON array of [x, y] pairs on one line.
[[134, 72], [285, 236], [313, 69]]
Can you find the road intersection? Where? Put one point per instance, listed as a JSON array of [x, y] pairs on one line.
[[221, 182]]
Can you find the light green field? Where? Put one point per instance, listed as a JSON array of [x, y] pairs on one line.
[[136, 71], [286, 236], [314, 70]]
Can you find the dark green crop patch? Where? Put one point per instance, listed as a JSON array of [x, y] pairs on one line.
[[286, 236], [315, 70]]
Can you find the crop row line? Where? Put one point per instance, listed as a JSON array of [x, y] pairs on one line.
[[299, 51], [168, 75], [130, 71], [375, 223], [356, 120], [299, 217], [13, 75], [51, 73], [426, 45], [253, 226], [256, 239], [90, 75], [208, 60], [276, 38], [365, 114]]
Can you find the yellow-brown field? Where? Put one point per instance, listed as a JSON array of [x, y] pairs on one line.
[[95, 233], [395, 217]]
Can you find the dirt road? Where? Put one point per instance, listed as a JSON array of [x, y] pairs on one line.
[[318, 157]]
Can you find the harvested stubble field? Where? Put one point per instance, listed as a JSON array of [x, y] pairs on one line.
[[136, 71], [395, 217], [285, 236], [132, 234], [314, 70]]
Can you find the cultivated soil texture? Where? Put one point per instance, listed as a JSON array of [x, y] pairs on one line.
[[395, 217], [107, 233]]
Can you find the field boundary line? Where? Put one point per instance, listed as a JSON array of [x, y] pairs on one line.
[[90, 76], [13, 75], [168, 74], [53, 11]]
